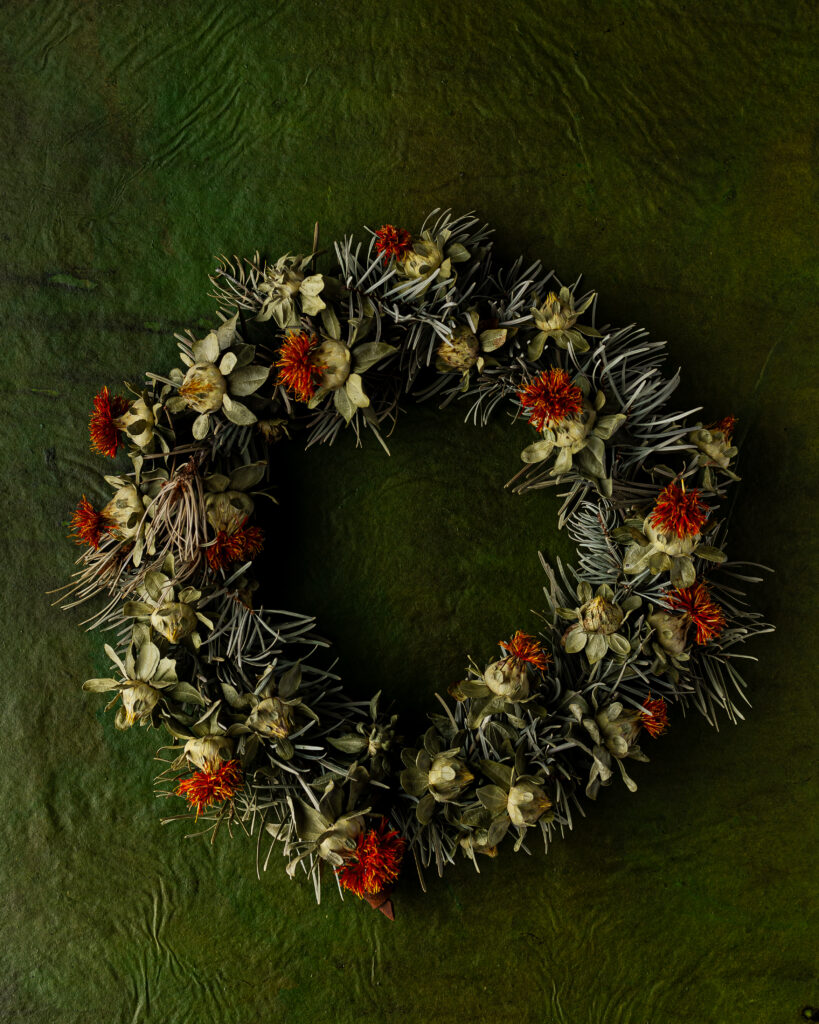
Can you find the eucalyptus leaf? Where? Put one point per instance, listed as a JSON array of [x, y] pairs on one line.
[[607, 426], [226, 332], [575, 640], [370, 353], [206, 350], [534, 349], [493, 339], [147, 661], [175, 404], [290, 681], [237, 413], [186, 694], [318, 395], [493, 798], [332, 327], [343, 404], [619, 645], [201, 426], [245, 477], [425, 809], [100, 685], [247, 379], [227, 363], [355, 391], [500, 774], [458, 253], [414, 781], [537, 452], [350, 743], [497, 830], [710, 554], [136, 608], [563, 463], [217, 482], [244, 354]]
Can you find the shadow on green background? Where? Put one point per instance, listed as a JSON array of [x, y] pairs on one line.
[[667, 151]]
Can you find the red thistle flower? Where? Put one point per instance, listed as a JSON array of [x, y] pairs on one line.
[[552, 398], [375, 863], [90, 526], [526, 648], [726, 425], [701, 609], [297, 371], [679, 511], [245, 542], [391, 241], [205, 787], [655, 722], [104, 432]]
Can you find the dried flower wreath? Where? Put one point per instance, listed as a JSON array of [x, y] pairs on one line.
[[264, 738]]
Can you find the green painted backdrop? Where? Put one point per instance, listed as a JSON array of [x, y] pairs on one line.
[[665, 149]]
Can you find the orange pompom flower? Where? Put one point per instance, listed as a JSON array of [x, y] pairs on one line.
[[655, 721], [552, 398], [89, 526], [376, 863], [205, 788], [701, 609], [391, 241], [678, 511], [297, 371], [243, 543], [105, 436], [525, 648]]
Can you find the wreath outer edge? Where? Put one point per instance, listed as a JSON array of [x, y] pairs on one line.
[[264, 739]]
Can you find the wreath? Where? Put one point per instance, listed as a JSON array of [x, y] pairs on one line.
[[261, 736]]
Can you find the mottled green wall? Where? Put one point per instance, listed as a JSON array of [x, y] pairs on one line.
[[665, 150]]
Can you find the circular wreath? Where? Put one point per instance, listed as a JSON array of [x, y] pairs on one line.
[[263, 737]]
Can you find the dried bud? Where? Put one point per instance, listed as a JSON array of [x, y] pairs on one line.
[[207, 752], [126, 509], [283, 281], [668, 542], [273, 430], [203, 388], [602, 616], [138, 700], [381, 739], [477, 842], [422, 259], [174, 621], [671, 630], [272, 717], [226, 510], [448, 777], [461, 351], [137, 422], [338, 843], [619, 728], [508, 678], [557, 312], [715, 444], [332, 360], [526, 803]]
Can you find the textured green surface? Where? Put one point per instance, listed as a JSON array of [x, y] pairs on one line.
[[666, 150]]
